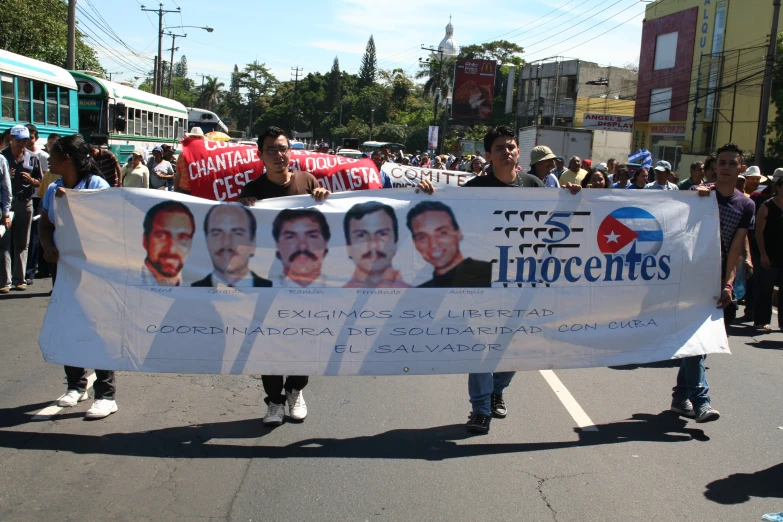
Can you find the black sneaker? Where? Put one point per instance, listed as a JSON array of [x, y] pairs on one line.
[[479, 423], [498, 406]]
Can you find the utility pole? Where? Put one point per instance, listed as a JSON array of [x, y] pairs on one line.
[[171, 67], [70, 61], [296, 70], [439, 50], [158, 81], [113, 73], [766, 91], [201, 95]]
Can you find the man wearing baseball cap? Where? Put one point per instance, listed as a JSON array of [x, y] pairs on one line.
[[542, 162], [161, 171], [559, 167], [26, 176], [662, 171], [135, 173], [323, 148], [486, 389]]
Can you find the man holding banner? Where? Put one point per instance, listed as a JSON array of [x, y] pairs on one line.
[[280, 181], [486, 389]]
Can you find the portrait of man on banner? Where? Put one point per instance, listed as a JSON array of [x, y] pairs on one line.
[[437, 237], [168, 237], [302, 238], [371, 237], [231, 241]]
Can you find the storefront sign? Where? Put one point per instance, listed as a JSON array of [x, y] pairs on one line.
[[610, 122]]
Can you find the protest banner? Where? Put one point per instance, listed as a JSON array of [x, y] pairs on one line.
[[402, 176], [219, 170], [384, 282]]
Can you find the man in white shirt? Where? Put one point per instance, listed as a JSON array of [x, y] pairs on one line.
[[662, 171], [302, 238]]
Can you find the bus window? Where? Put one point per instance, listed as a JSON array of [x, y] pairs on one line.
[[9, 105], [23, 94], [168, 127], [51, 104], [39, 101], [137, 118], [145, 123], [156, 121], [129, 122], [112, 119], [65, 107], [176, 127]]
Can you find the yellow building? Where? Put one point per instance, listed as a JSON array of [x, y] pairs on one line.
[[701, 68]]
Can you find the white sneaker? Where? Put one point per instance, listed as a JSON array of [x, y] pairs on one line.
[[101, 408], [297, 409], [274, 414], [71, 397]]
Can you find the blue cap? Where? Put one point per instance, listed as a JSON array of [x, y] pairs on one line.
[[662, 166], [20, 132], [158, 149]]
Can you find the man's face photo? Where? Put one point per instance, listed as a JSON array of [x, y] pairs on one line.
[[372, 244], [301, 248], [169, 241], [230, 239], [437, 239]]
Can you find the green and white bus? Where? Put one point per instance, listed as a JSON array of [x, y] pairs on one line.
[[38, 93], [129, 117]]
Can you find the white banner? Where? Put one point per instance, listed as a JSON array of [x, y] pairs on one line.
[[403, 176], [610, 122], [383, 282], [432, 137]]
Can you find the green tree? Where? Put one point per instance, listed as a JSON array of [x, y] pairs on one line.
[[334, 92], [210, 93], [39, 30], [775, 128], [439, 73], [368, 71], [181, 68], [502, 51]]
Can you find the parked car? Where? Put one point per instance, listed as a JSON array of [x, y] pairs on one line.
[[350, 153]]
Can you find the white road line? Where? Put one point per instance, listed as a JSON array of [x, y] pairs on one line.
[[53, 409], [576, 411]]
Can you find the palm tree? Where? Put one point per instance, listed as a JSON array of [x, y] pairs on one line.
[[439, 73], [210, 92]]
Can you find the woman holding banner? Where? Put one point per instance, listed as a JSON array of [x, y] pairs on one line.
[[71, 159]]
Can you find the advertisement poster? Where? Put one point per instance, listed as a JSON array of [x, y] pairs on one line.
[[432, 138], [474, 86], [386, 282]]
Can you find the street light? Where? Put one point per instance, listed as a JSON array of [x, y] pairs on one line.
[[372, 120], [206, 28]]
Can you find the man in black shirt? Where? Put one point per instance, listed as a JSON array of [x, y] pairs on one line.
[[26, 176], [486, 389], [436, 236], [278, 181]]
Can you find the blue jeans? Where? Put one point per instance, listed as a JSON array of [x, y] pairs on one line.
[[481, 386], [692, 382]]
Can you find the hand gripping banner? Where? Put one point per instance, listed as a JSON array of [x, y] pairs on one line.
[[219, 170], [383, 282]]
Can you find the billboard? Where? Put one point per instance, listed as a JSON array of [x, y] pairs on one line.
[[474, 86], [611, 122]]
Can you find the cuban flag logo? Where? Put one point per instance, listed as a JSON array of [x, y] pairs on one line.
[[628, 226]]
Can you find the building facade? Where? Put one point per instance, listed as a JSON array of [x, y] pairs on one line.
[[560, 93], [701, 68]]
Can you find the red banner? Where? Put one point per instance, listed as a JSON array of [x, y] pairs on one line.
[[219, 170], [474, 87]]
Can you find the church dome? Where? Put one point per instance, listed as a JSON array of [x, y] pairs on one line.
[[448, 44]]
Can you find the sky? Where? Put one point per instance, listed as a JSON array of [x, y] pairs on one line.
[[308, 34]]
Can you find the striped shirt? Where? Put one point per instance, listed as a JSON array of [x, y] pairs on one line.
[[108, 167]]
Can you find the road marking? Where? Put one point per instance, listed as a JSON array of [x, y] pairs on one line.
[[576, 411], [53, 408]]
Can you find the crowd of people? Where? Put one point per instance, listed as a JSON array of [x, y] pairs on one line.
[[750, 223]]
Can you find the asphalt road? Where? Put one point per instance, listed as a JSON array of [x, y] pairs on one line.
[[186, 447]]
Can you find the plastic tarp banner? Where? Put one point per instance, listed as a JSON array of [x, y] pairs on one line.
[[219, 170], [383, 282]]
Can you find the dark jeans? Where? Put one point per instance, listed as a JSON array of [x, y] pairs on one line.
[[692, 377], [273, 386], [104, 382], [34, 247], [767, 281], [14, 243]]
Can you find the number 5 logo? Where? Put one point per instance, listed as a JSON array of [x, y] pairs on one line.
[[561, 227]]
